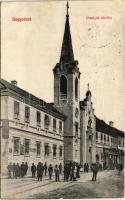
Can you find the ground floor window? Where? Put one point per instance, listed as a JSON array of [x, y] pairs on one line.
[[38, 148], [16, 143], [60, 151], [46, 149], [54, 150], [26, 146]]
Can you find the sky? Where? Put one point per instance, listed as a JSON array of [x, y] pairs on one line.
[[30, 50]]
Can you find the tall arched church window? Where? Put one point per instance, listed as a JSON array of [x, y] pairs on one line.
[[76, 88], [63, 87]]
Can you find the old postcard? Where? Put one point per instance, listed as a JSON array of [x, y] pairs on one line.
[[62, 99]]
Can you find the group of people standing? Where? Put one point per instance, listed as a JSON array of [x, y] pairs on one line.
[[44, 170], [86, 167], [15, 170], [70, 171]]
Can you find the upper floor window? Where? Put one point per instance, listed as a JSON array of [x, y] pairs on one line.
[[16, 145], [104, 139], [38, 117], [101, 137], [38, 148], [26, 146], [27, 114], [60, 126], [76, 128], [54, 124], [63, 87], [108, 138], [76, 88], [46, 121], [16, 109]]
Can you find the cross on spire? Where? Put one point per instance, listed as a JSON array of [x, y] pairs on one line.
[[67, 55], [67, 5]]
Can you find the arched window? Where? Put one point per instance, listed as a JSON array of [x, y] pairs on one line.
[[76, 88], [63, 87]]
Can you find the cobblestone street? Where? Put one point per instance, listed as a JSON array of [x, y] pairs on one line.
[[109, 184]]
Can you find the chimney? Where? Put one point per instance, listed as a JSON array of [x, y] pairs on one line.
[[111, 123], [14, 82]]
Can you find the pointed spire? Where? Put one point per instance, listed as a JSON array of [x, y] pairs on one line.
[[88, 93], [88, 86], [67, 55]]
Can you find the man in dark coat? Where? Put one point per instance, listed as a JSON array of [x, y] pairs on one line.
[[10, 169], [22, 169], [18, 170], [40, 169], [50, 170], [78, 170], [25, 168], [45, 168], [87, 167], [33, 170], [66, 172], [14, 170], [95, 171], [56, 173], [60, 168]]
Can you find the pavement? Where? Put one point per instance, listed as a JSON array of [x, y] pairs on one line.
[[26, 187]]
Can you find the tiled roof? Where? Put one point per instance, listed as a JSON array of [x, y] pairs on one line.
[[101, 126], [41, 104]]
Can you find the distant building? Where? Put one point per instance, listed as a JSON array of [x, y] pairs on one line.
[[63, 131]]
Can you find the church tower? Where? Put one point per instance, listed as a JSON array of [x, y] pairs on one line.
[[67, 95]]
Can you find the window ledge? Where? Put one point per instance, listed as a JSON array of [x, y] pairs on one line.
[[16, 154], [26, 155]]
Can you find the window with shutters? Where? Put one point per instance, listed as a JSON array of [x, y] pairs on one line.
[[104, 139], [108, 139], [27, 114], [26, 146], [46, 121], [38, 118], [60, 127], [54, 124], [38, 148], [16, 110], [16, 145], [101, 137]]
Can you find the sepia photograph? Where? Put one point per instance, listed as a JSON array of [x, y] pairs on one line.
[[62, 100]]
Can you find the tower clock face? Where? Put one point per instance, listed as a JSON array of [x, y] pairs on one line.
[[76, 112]]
